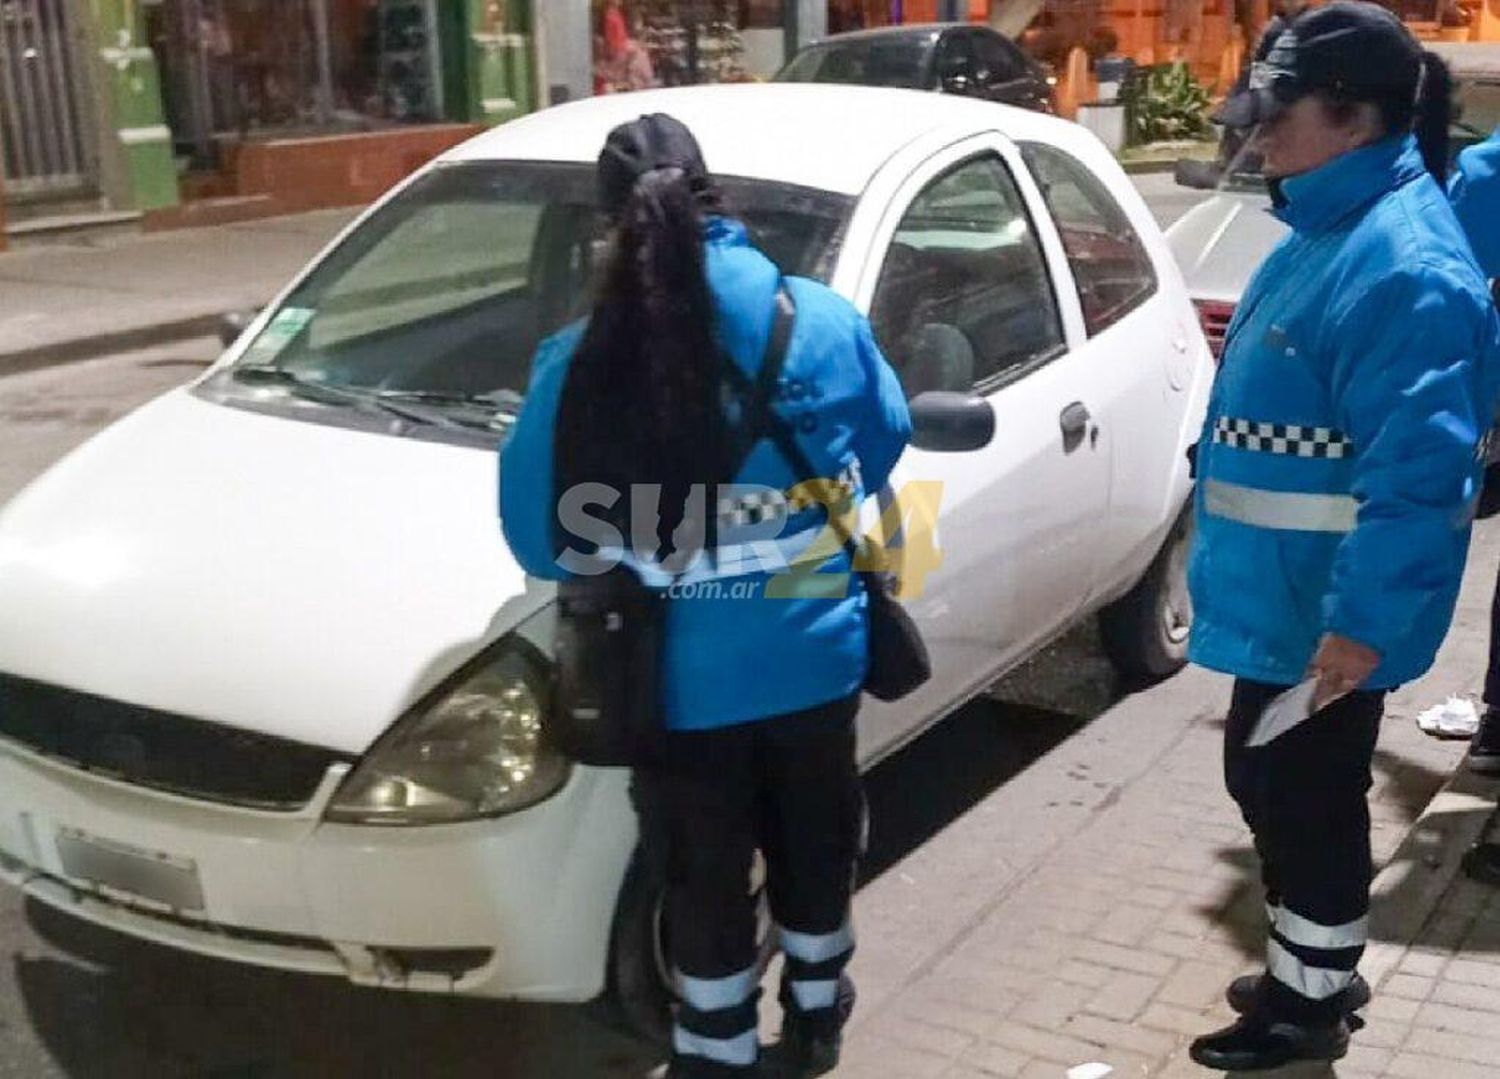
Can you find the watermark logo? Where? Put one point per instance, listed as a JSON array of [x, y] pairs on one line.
[[753, 538]]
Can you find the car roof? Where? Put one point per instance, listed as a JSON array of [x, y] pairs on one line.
[[1469, 60], [834, 138], [923, 31]]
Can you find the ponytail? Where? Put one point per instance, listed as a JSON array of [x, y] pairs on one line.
[[641, 403], [1434, 112]]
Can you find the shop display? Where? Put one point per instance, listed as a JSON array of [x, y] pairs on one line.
[[698, 41]]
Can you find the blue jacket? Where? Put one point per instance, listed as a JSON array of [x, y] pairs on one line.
[[1338, 466], [730, 659], [1475, 191]]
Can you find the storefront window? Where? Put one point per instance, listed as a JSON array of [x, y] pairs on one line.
[[233, 69], [639, 44]]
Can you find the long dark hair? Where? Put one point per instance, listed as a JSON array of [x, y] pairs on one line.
[[1423, 106], [641, 403]]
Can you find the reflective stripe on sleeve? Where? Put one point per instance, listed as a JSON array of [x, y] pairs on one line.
[[1315, 983], [716, 994], [1291, 510], [818, 947]]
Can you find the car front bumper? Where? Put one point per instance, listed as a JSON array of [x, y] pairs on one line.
[[518, 906]]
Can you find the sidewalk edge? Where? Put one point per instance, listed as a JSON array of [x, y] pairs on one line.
[[89, 348]]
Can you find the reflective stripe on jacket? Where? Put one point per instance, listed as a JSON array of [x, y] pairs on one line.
[[729, 658], [1338, 465]]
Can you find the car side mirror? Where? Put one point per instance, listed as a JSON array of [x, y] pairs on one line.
[[1202, 175], [233, 323], [947, 422]]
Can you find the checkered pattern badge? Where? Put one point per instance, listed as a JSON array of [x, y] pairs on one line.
[[1291, 439]]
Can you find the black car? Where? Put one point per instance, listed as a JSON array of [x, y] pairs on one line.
[[956, 58]]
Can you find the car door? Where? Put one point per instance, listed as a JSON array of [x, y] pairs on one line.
[[963, 296], [1135, 357]]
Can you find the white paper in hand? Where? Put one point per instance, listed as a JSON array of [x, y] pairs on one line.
[[1285, 711]]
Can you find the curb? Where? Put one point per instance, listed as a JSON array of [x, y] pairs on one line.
[[88, 348], [1140, 168], [1453, 821]]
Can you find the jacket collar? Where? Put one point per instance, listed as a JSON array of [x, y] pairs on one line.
[[1319, 200]]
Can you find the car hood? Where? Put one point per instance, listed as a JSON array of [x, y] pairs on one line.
[[297, 579], [1220, 242]]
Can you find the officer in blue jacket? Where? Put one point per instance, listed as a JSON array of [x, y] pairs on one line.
[[1337, 477], [1475, 191], [760, 693]]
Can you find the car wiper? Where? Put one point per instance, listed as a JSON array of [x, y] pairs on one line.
[[496, 408], [339, 396]]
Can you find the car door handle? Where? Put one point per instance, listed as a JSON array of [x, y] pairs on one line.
[[1074, 422]]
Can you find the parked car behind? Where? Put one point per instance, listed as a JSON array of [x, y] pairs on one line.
[[273, 689], [952, 58], [1220, 242]]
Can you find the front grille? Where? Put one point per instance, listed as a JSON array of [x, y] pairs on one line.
[[1215, 317], [161, 750]]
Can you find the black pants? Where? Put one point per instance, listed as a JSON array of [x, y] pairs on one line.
[[1304, 798], [1492, 674], [787, 786]]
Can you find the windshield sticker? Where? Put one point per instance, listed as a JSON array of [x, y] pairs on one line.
[[283, 328]]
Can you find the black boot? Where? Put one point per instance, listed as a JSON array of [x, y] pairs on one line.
[[1244, 994], [1258, 1043], [812, 1043], [1484, 750]]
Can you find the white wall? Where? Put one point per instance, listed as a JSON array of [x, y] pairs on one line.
[[567, 48]]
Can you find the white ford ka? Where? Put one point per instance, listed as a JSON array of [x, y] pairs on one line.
[[272, 688]]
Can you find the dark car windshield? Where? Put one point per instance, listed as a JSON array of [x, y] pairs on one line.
[[900, 61], [441, 298]]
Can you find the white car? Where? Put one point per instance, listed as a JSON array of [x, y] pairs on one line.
[[271, 686], [1220, 242]]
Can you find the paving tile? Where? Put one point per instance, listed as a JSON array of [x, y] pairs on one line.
[[1124, 996], [1116, 1035], [1196, 985]]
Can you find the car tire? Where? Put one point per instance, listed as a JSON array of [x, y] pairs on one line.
[[1145, 632], [639, 956]]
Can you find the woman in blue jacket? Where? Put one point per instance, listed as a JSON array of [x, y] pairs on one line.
[[1337, 476], [760, 693]]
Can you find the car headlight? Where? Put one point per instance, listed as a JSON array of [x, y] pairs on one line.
[[474, 748]]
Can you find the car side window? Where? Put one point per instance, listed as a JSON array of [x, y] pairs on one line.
[[964, 299], [1110, 265]]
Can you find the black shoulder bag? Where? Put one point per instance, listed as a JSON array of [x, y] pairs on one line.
[[899, 662]]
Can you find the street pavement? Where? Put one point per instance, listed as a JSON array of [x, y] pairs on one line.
[[1056, 877]]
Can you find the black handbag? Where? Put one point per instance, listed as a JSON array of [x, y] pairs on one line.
[[899, 662], [606, 693]]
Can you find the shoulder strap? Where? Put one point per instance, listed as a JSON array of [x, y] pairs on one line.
[[763, 420]]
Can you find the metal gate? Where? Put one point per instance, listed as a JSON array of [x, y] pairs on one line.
[[41, 121]]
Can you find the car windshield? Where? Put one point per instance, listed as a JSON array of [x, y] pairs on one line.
[[439, 300], [899, 62]]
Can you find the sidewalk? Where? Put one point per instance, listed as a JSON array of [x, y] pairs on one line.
[[74, 301], [1115, 944]]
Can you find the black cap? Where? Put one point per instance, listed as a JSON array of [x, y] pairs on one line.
[[1355, 50], [653, 142]]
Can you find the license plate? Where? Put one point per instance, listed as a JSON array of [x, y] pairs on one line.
[[161, 878]]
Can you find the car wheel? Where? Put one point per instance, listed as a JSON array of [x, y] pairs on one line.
[[640, 965], [1145, 632]]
